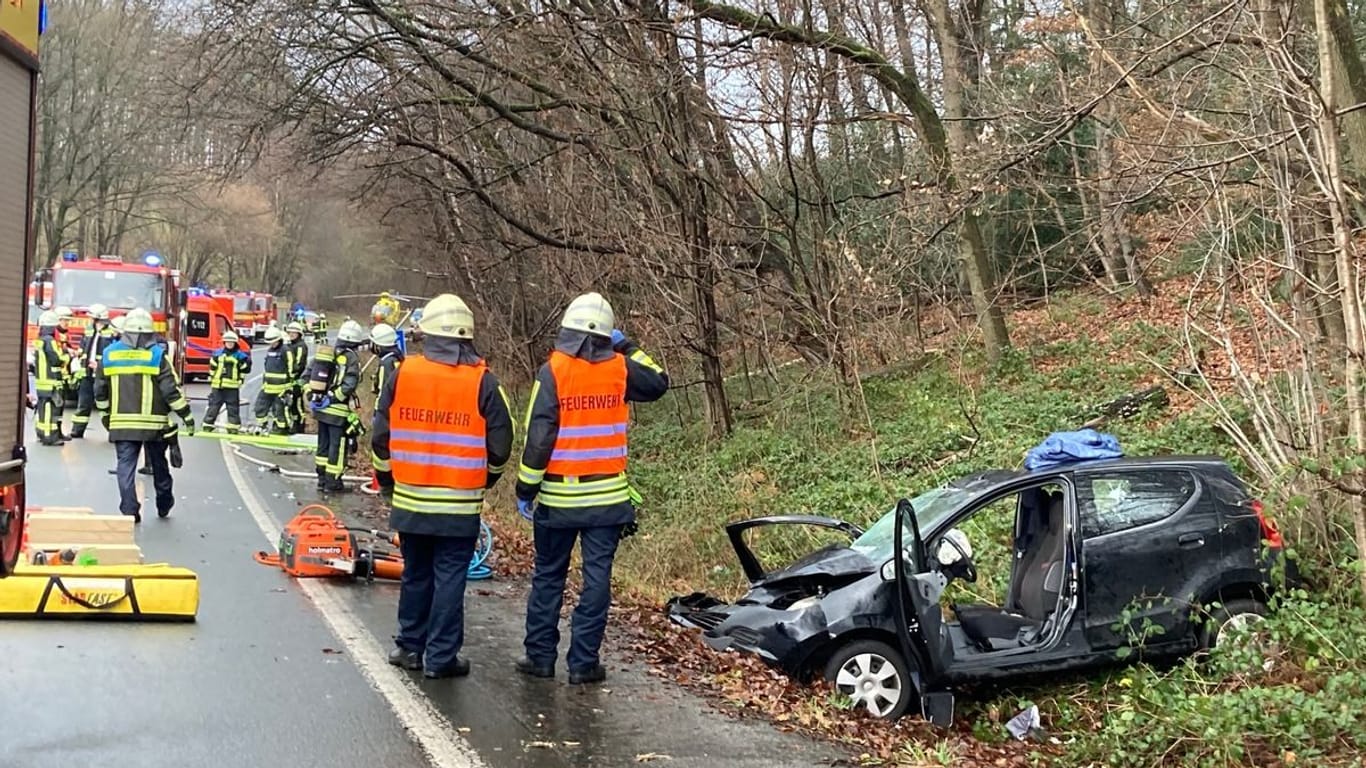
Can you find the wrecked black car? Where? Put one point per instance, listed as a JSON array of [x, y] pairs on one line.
[[1164, 554]]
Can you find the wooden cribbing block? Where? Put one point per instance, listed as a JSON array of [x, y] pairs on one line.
[[36, 511], [105, 554], [86, 529]]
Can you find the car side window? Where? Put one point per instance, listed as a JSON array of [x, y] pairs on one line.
[[1111, 502]]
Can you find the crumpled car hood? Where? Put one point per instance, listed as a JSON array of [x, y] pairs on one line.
[[841, 562]]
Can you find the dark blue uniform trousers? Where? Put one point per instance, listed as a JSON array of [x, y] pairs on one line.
[[129, 451], [553, 548], [431, 598]]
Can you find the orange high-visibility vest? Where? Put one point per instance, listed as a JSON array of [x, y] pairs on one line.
[[593, 416], [437, 436]]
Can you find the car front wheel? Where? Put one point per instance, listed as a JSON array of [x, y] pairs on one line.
[[874, 676]]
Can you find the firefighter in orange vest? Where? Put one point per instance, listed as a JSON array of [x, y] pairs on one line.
[[574, 468], [443, 425]]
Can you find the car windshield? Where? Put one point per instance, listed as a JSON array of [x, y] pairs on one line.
[[112, 288], [931, 508], [241, 304]]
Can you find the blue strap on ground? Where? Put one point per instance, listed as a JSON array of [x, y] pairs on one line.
[[478, 570]]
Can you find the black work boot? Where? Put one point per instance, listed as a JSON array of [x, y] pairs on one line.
[[460, 668], [145, 471], [594, 674], [78, 434], [402, 657], [530, 668], [334, 485]]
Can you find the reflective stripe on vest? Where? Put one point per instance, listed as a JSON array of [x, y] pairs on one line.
[[593, 416], [227, 371], [438, 439]]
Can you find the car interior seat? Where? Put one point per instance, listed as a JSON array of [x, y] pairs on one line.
[[1038, 580]]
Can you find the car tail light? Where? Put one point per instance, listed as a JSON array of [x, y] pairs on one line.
[[1270, 533]]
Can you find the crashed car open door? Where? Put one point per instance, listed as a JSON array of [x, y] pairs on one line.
[[920, 621]]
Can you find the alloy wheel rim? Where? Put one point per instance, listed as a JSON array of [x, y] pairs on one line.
[[871, 681]]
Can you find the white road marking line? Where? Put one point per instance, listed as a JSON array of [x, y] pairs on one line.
[[434, 734]]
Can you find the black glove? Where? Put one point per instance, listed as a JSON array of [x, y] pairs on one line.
[[628, 530], [177, 458]]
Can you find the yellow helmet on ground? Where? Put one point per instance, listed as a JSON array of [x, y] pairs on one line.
[[449, 316], [590, 313]]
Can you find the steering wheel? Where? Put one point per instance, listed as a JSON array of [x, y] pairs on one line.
[[966, 565]]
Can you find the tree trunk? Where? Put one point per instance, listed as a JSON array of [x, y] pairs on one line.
[[972, 248], [1346, 260]]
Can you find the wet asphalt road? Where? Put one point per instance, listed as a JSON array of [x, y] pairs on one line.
[[257, 680]]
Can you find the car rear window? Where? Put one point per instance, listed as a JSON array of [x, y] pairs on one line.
[[1112, 502]]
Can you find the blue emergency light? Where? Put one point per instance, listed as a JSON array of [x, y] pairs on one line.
[[70, 256], [151, 259]]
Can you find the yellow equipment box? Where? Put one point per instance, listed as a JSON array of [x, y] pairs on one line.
[[156, 592]]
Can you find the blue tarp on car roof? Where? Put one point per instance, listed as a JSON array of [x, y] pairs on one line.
[[1070, 447]]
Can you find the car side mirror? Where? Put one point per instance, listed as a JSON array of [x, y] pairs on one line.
[[888, 570]]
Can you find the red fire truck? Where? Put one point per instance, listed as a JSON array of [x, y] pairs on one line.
[[19, 34], [119, 285]]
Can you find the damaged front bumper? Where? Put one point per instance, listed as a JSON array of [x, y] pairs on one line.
[[784, 638]]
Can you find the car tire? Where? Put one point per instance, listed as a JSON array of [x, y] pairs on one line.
[[1233, 613], [874, 675]]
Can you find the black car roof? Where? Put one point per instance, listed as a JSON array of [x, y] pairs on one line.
[[991, 479]]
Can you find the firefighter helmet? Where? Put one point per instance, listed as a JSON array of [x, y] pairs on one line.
[[138, 321], [350, 331], [294, 327], [229, 336], [48, 319], [590, 313], [99, 312], [383, 335], [273, 335], [449, 316]]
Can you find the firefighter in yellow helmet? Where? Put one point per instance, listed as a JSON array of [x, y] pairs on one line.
[[51, 369], [136, 384], [572, 480], [443, 425]]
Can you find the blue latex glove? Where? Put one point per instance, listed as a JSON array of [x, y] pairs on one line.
[[617, 337], [524, 509], [318, 405]]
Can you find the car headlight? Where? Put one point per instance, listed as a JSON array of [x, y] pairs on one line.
[[805, 602]]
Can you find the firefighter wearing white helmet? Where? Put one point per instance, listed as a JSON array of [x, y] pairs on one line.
[[384, 345], [572, 480], [271, 409], [447, 316], [332, 396], [93, 344], [443, 425], [296, 358], [228, 369], [136, 384], [51, 372]]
